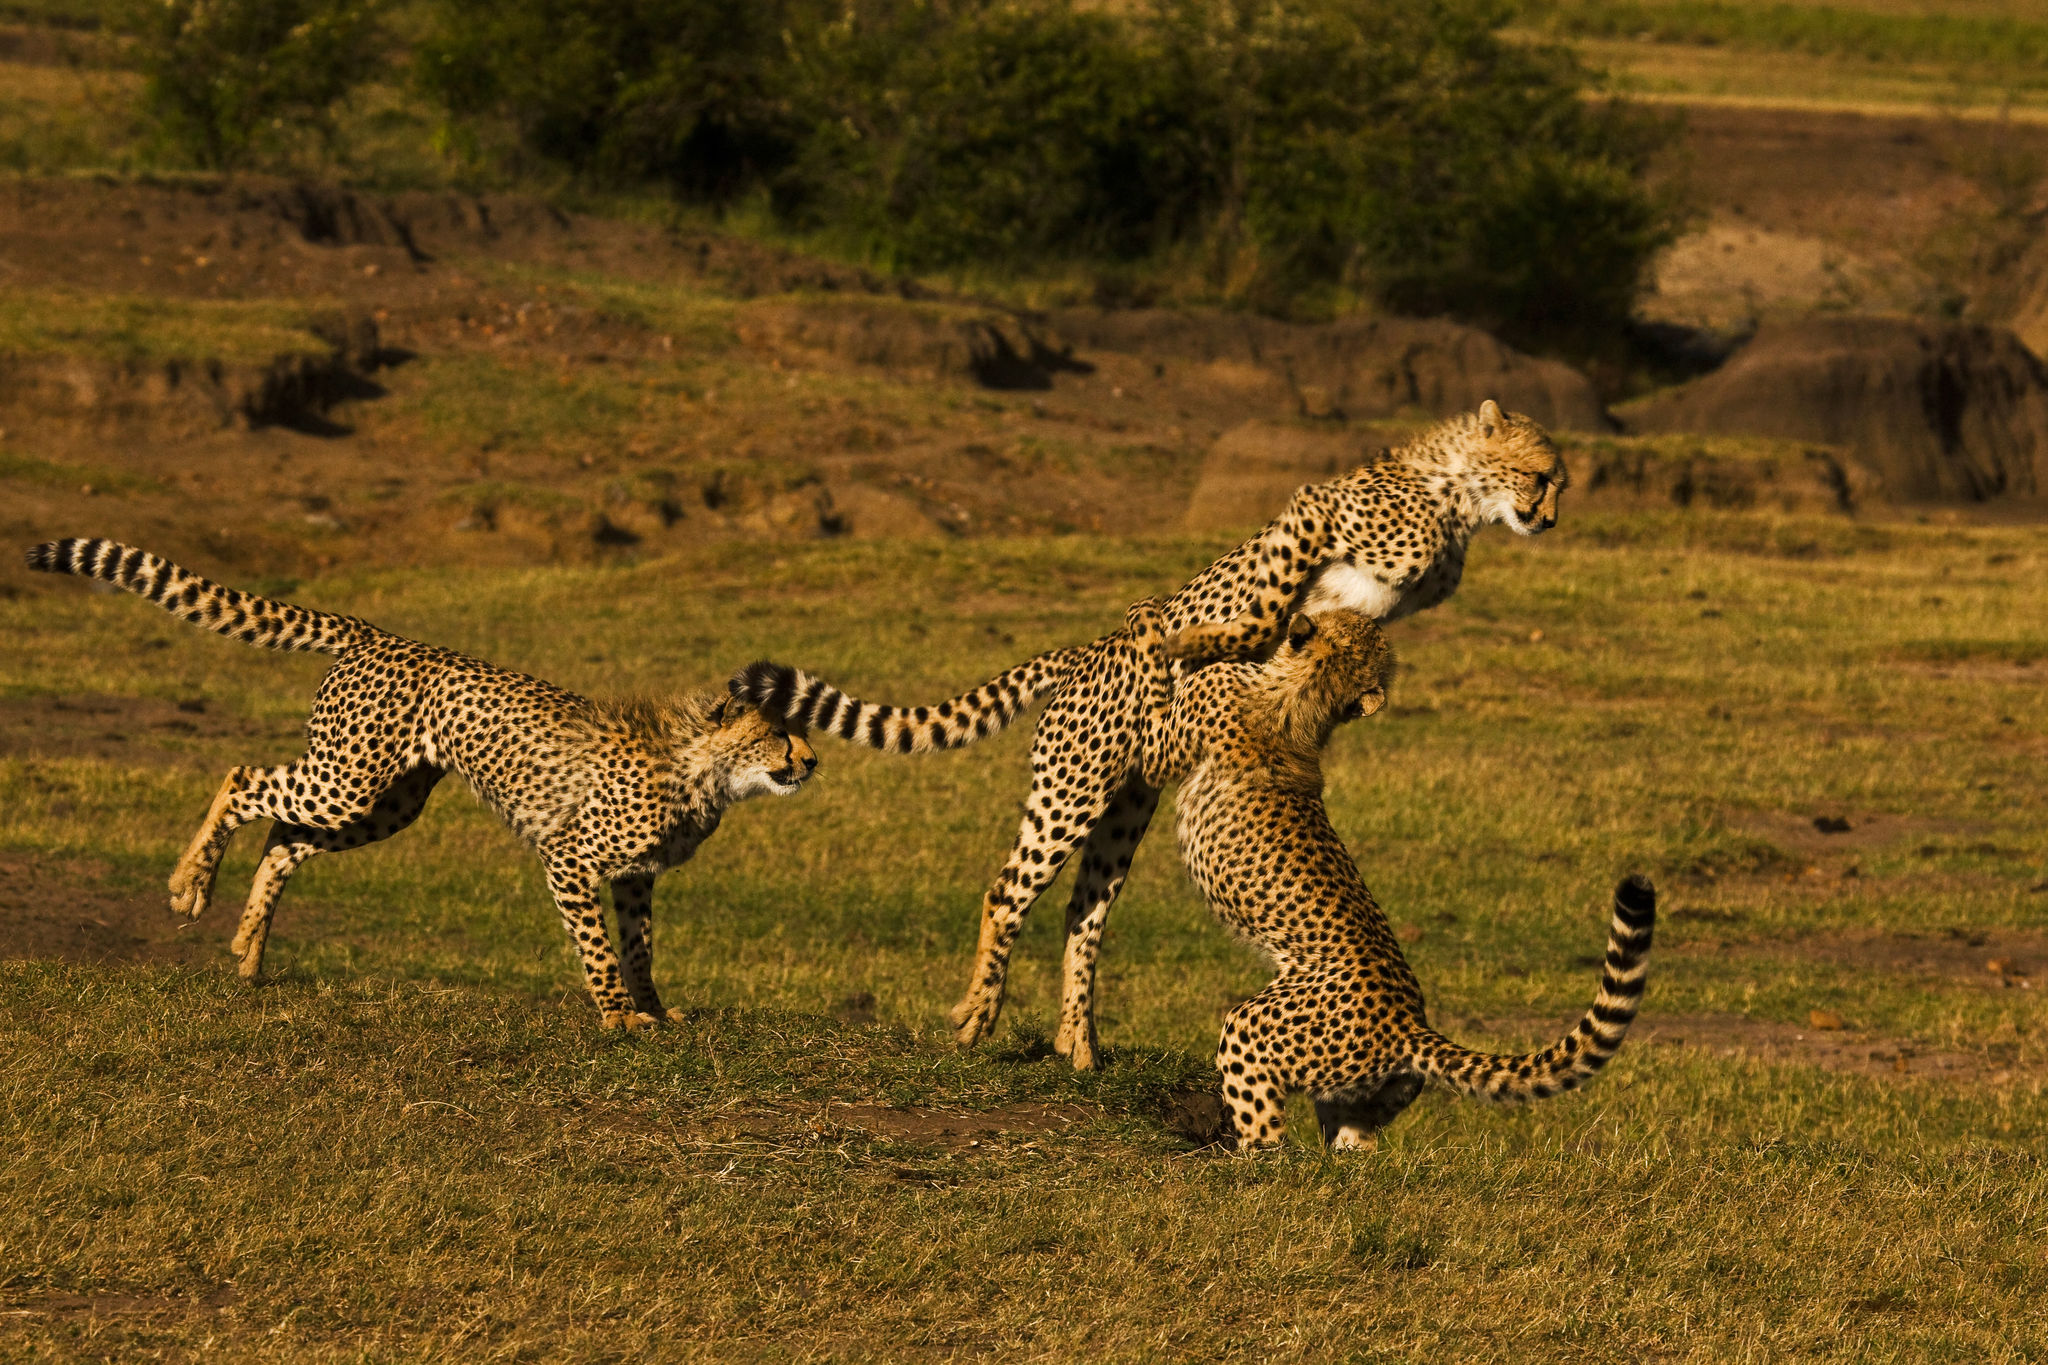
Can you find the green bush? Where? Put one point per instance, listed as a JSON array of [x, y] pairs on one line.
[[230, 83], [1298, 157], [688, 93], [998, 134]]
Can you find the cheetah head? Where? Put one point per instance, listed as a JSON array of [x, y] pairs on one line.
[[1515, 468], [759, 756], [1333, 667]]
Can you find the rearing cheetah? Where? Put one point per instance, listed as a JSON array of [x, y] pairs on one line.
[[603, 791], [1386, 539], [1344, 1019]]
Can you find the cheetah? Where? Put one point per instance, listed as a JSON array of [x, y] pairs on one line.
[[1387, 539], [1344, 1018], [602, 791]]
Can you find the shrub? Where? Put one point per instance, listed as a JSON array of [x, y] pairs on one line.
[[688, 93], [1007, 134], [1304, 154], [229, 83]]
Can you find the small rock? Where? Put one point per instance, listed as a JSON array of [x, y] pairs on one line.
[[2001, 966], [1535, 637], [1409, 933], [1831, 824], [1825, 1020]]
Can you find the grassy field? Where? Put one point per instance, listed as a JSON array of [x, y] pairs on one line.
[[415, 1142]]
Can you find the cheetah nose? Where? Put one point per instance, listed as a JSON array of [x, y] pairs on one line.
[[810, 762]]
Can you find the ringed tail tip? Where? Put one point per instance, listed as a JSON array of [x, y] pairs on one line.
[[1636, 900]]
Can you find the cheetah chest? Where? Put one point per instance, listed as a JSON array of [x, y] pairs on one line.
[[1343, 584], [1385, 595]]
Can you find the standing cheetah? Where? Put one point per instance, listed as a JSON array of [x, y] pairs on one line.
[[1387, 539], [603, 791], [1344, 1019]]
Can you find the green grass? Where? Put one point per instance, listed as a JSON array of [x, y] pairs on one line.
[[143, 330], [416, 1142], [2014, 47]]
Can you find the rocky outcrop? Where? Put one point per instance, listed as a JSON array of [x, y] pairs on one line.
[[1937, 411], [1356, 368]]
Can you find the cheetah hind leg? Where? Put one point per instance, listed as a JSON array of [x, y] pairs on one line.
[[290, 846], [1350, 1120], [192, 878], [1105, 862]]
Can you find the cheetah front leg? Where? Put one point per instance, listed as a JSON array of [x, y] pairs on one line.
[[1105, 862], [633, 906], [575, 892]]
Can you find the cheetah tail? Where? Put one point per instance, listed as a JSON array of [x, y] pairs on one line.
[[1579, 1055], [796, 697], [187, 596]]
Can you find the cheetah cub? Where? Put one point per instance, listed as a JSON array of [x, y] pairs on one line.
[[603, 791], [1344, 1019]]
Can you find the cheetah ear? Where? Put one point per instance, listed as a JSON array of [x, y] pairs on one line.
[[1489, 415], [726, 710], [1301, 629]]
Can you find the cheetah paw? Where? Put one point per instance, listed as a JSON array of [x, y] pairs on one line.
[[971, 1019], [1205, 640], [1146, 622], [191, 892], [631, 1021], [1077, 1045]]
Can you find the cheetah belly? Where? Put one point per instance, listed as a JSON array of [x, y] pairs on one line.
[[1343, 584]]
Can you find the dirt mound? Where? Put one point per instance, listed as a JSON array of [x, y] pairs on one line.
[[1254, 468], [1810, 480], [297, 388], [1934, 410], [1356, 368]]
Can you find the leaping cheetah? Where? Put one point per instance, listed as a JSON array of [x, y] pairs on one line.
[[603, 791], [1344, 1018], [1387, 539]]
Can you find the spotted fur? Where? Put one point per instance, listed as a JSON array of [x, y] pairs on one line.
[[1344, 1018], [1387, 539], [603, 791]]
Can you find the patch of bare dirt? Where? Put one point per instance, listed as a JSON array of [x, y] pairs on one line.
[[63, 909], [1846, 1049], [1987, 959], [1837, 1046], [959, 1130], [56, 1307], [1827, 831], [121, 728]]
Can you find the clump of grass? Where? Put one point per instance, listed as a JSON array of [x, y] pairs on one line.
[[145, 330]]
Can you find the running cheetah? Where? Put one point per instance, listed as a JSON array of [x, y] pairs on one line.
[[603, 791], [1344, 1019], [1387, 539]]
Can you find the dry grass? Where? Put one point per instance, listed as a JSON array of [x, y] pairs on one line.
[[415, 1142]]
